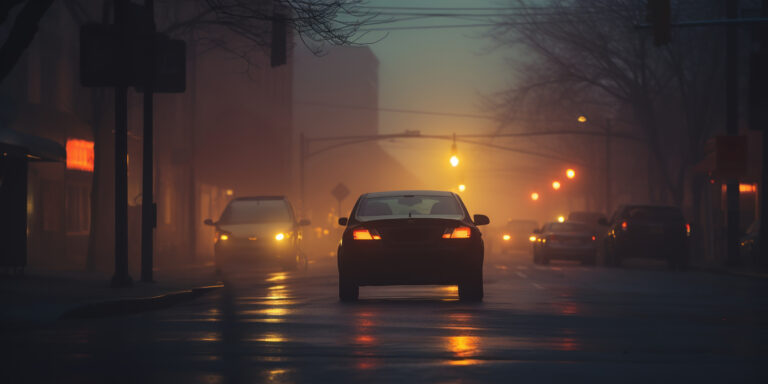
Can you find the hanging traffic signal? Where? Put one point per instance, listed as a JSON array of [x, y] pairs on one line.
[[660, 17]]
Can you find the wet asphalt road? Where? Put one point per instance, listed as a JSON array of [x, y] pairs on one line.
[[556, 323]]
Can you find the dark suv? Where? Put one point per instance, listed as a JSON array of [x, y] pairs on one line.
[[647, 231]]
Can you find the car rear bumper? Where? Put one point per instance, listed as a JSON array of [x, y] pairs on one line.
[[410, 266], [568, 253]]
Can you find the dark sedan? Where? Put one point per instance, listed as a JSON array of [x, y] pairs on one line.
[[411, 237], [565, 241], [648, 231]]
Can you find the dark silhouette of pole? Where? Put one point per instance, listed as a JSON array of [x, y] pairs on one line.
[[732, 128], [607, 167], [147, 194], [302, 170], [121, 276], [762, 242]]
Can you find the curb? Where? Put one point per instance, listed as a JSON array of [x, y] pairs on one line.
[[725, 271], [135, 305]]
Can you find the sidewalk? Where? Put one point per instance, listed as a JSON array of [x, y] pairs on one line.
[[743, 271], [46, 296]]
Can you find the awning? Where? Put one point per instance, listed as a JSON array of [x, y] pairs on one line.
[[35, 148]]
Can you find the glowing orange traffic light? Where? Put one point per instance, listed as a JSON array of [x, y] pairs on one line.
[[555, 185], [570, 173], [534, 196]]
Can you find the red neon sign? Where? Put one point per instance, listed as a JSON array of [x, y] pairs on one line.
[[80, 155]]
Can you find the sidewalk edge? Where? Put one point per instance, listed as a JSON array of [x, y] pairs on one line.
[[124, 306]]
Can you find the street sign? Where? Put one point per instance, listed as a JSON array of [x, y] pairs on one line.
[[100, 59], [340, 191]]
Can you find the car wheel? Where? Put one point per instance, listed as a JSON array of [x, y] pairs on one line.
[[348, 290], [471, 289]]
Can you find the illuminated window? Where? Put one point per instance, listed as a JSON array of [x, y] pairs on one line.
[[80, 155]]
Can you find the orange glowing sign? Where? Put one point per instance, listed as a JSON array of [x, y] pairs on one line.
[[80, 155]]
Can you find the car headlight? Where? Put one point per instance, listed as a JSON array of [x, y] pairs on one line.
[[280, 236]]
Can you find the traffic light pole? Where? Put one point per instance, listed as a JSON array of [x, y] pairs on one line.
[[732, 129], [147, 193], [121, 277]]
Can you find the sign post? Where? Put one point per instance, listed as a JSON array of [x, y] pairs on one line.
[[340, 191]]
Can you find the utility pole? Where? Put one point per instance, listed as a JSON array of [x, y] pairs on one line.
[[607, 167], [732, 129], [121, 277], [147, 193], [760, 105], [302, 164]]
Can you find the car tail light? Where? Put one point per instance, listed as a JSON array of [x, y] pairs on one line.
[[687, 229], [594, 237], [624, 225], [457, 233], [365, 234]]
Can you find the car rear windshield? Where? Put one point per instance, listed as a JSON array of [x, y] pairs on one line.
[[391, 207], [585, 217], [656, 213], [255, 211], [568, 227], [522, 226]]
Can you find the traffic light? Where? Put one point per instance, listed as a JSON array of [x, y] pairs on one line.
[[660, 17]]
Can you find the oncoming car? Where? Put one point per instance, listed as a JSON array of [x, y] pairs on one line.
[[258, 229], [411, 237]]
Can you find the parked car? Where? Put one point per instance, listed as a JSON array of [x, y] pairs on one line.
[[648, 231], [565, 241], [258, 229], [411, 237], [516, 235]]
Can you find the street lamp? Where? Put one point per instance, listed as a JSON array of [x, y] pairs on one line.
[[582, 119], [561, 219], [555, 185], [462, 187], [534, 196], [570, 173], [454, 160]]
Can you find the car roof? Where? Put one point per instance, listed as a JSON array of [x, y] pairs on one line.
[[259, 198], [408, 192]]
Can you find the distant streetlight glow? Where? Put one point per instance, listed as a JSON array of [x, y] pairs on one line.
[[570, 173], [582, 119], [534, 196], [454, 161], [555, 185], [462, 187], [230, 192], [561, 219]]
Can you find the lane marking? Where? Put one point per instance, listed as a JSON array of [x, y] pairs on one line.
[[556, 268], [538, 286], [523, 267], [523, 275]]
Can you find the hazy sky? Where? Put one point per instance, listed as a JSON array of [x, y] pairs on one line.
[[437, 69], [446, 70]]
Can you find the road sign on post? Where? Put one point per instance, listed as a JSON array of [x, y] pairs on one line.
[[340, 191], [100, 58]]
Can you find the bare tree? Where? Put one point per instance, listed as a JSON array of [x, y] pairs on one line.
[[591, 53]]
